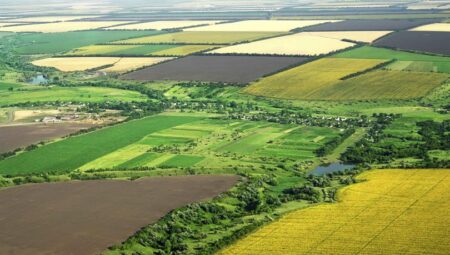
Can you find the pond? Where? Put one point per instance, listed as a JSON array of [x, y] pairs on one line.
[[39, 79], [331, 168]]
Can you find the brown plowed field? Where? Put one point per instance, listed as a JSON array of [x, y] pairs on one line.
[[19, 136], [88, 217]]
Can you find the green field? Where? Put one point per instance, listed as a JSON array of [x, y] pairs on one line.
[[50, 43], [139, 50], [181, 161], [200, 38], [76, 94], [405, 60], [71, 153]]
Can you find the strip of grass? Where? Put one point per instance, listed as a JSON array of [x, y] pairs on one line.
[[69, 154], [50, 43]]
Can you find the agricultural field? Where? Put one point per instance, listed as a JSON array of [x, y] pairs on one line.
[[50, 43], [371, 25], [297, 45], [436, 27], [356, 36], [227, 69], [78, 94], [6, 24], [418, 41], [140, 50], [44, 19], [389, 211], [199, 37], [100, 214], [161, 25], [130, 64], [61, 26], [317, 76], [260, 26]]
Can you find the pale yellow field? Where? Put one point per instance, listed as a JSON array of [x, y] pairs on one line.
[[357, 36], [160, 25], [62, 26], [76, 64], [297, 44], [391, 212], [52, 18], [260, 25], [2, 24], [129, 64], [436, 27]]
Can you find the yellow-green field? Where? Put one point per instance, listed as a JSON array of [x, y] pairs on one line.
[[201, 37], [390, 212], [140, 50]]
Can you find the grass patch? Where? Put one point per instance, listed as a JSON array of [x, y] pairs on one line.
[[182, 161]]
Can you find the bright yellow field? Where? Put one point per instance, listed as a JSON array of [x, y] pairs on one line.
[[303, 82], [357, 36], [73, 64], [160, 25], [436, 27], [129, 64], [296, 44], [52, 18], [260, 25], [392, 212], [62, 26]]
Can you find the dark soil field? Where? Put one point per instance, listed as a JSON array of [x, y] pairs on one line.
[[371, 25], [228, 69], [87, 217], [19, 136], [431, 42]]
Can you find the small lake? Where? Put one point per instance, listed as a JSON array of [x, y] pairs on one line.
[[39, 80], [331, 168]]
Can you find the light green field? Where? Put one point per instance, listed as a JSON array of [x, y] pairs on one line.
[[72, 94], [119, 50], [200, 38], [181, 161]]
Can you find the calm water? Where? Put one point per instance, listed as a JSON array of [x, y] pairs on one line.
[[39, 80], [334, 167]]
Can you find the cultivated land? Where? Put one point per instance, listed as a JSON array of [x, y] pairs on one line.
[[130, 64], [100, 213], [195, 37], [140, 50], [50, 43], [436, 27], [2, 24], [260, 25], [52, 18], [170, 24], [298, 45], [307, 81], [229, 69], [371, 25], [62, 26], [420, 41], [20, 136], [73, 64], [77, 151], [390, 212], [357, 36], [78, 94]]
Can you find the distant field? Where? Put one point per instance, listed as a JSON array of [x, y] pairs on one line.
[[421, 41], [357, 36], [160, 25], [200, 38], [260, 25], [405, 60], [61, 26], [371, 25], [297, 44], [5, 24], [389, 212], [305, 81], [51, 18], [436, 27], [76, 94], [60, 42], [76, 63], [140, 50], [230, 69], [129, 64], [94, 145]]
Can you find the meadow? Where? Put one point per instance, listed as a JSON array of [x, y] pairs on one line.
[[77, 94], [51, 43], [194, 37], [384, 214]]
